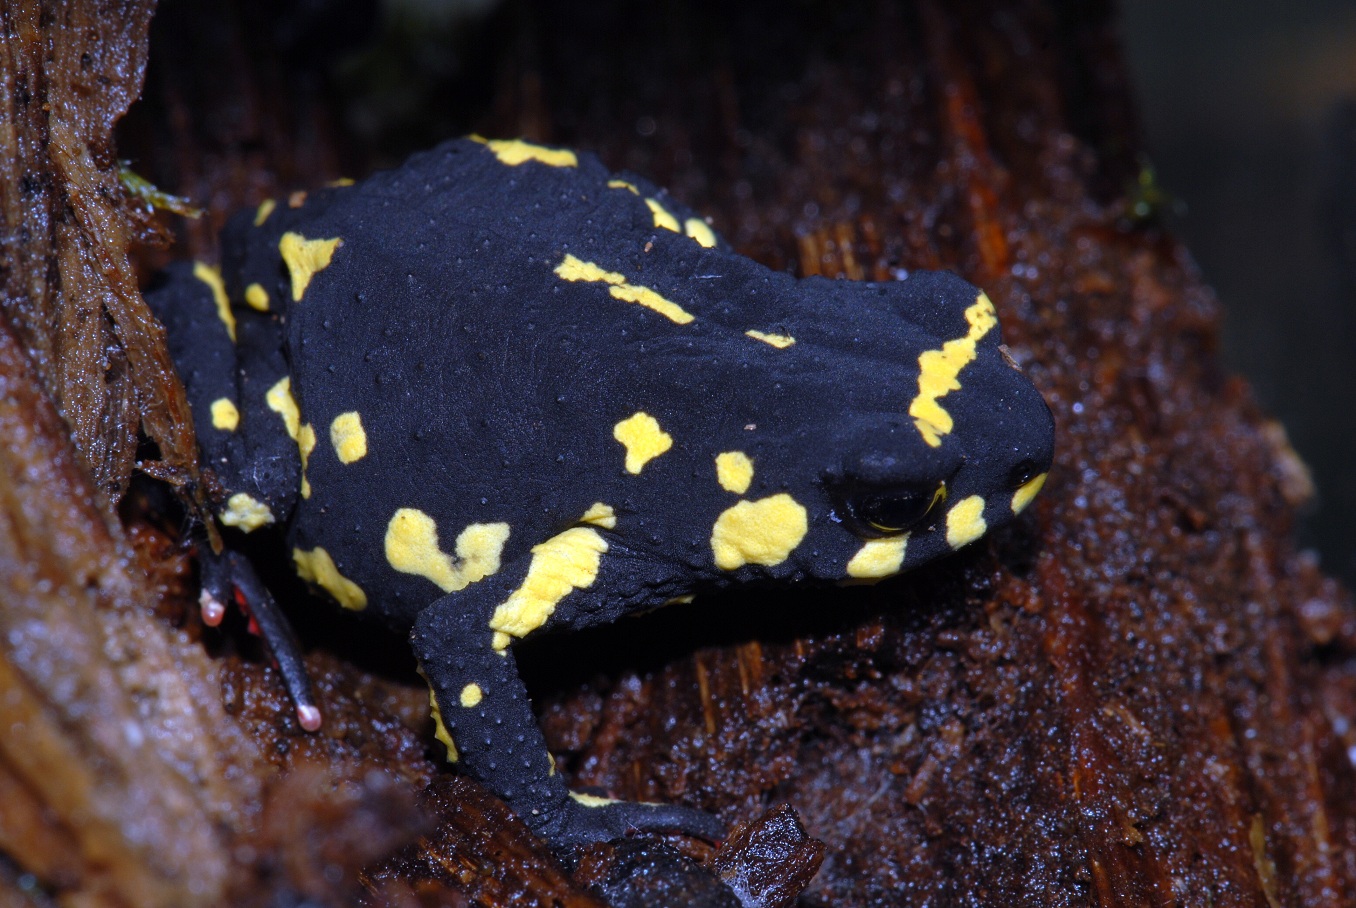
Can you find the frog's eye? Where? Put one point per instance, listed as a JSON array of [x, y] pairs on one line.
[[885, 512], [1025, 471]]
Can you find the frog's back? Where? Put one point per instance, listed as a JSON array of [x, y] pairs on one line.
[[456, 356]]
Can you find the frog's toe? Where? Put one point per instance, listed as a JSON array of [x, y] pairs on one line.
[[585, 819]]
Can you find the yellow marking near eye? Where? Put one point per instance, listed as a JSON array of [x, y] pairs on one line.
[[245, 512], [643, 439], [573, 269], [1027, 491], [965, 522], [225, 416], [212, 278], [256, 297], [878, 558], [340, 183], [348, 437], [939, 372], [600, 515], [734, 471], [316, 566], [412, 548], [265, 209], [439, 729], [305, 259], [515, 151], [588, 800], [622, 184], [562, 564], [763, 532], [700, 231], [471, 695], [662, 216], [780, 341]]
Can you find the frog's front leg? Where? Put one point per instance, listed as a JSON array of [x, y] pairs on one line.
[[462, 642]]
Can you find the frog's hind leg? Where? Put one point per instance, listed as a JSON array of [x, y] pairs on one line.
[[230, 577], [487, 722]]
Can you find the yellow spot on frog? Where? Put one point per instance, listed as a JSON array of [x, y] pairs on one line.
[[939, 372], [305, 259], [500, 642], [280, 400], [316, 566], [600, 515], [763, 532], [515, 151], [471, 695], [965, 522], [643, 439], [623, 184], [439, 729], [700, 231], [256, 297], [246, 512], [305, 445], [225, 416], [265, 209], [878, 558], [662, 216], [412, 548], [348, 437], [734, 471], [340, 183], [780, 341], [212, 278], [573, 269], [588, 800], [1027, 491], [562, 564]]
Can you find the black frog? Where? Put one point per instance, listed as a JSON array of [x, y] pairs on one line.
[[500, 391]]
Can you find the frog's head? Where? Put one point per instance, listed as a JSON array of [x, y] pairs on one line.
[[968, 453], [923, 436]]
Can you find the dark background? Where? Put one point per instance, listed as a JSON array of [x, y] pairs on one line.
[[1249, 110]]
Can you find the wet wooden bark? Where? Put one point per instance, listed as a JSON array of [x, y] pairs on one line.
[[1139, 695]]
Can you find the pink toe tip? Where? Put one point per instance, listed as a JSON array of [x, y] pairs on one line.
[[309, 717], [212, 610]]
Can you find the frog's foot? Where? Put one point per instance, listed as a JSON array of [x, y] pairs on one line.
[[229, 577], [584, 819]]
